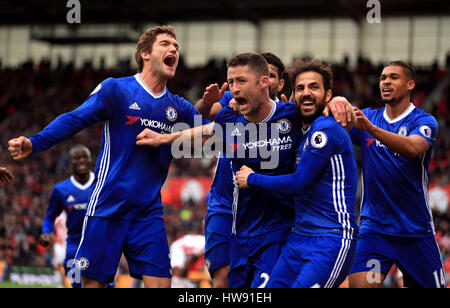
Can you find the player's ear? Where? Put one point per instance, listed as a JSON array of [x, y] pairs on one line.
[[280, 85], [145, 55], [411, 84], [328, 96], [264, 81]]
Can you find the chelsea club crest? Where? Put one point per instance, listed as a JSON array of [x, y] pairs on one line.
[[171, 114], [403, 131], [284, 126]]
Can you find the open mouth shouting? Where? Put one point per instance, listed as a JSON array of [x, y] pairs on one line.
[[170, 61], [242, 103]]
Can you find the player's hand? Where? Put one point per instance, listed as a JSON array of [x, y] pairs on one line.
[[213, 94], [292, 98], [233, 105], [283, 98], [150, 138], [20, 148], [6, 177], [361, 120], [341, 110], [45, 239], [242, 176]]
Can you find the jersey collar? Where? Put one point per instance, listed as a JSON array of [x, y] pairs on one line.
[[147, 89], [85, 185], [400, 117], [274, 107]]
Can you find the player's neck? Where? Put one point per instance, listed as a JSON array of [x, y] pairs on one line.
[[395, 109], [154, 82], [82, 178], [262, 113], [306, 126]]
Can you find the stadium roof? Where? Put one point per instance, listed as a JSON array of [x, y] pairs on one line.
[[136, 12]]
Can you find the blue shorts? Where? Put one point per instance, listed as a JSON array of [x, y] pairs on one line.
[[253, 258], [143, 243], [313, 261], [418, 259], [217, 237]]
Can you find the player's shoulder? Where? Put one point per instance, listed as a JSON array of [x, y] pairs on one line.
[[179, 100], [325, 122], [286, 111], [62, 185], [328, 126], [227, 114], [109, 85], [373, 111], [288, 107], [421, 114]]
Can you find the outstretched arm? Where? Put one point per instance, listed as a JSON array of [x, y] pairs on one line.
[[292, 184], [97, 107], [150, 138], [20, 148]]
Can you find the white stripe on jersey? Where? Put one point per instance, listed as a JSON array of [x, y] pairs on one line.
[[425, 191], [235, 201], [103, 171], [338, 192], [340, 206]]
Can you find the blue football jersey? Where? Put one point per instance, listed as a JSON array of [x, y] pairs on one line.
[[128, 177], [72, 197], [324, 184], [395, 188], [269, 148]]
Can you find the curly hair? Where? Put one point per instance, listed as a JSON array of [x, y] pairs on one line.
[[312, 66]]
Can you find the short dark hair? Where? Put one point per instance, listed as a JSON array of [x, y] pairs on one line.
[[146, 41], [255, 61], [79, 147], [408, 69], [312, 66], [274, 60]]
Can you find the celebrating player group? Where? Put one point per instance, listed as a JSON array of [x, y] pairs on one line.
[[281, 210]]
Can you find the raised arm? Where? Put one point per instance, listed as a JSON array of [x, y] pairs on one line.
[[209, 106]]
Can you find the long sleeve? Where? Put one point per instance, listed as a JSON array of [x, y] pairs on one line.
[[97, 107], [53, 211], [309, 168]]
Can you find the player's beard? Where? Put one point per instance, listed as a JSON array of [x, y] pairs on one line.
[[389, 101], [308, 119]]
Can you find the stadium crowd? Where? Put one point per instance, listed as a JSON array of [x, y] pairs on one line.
[[35, 93]]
